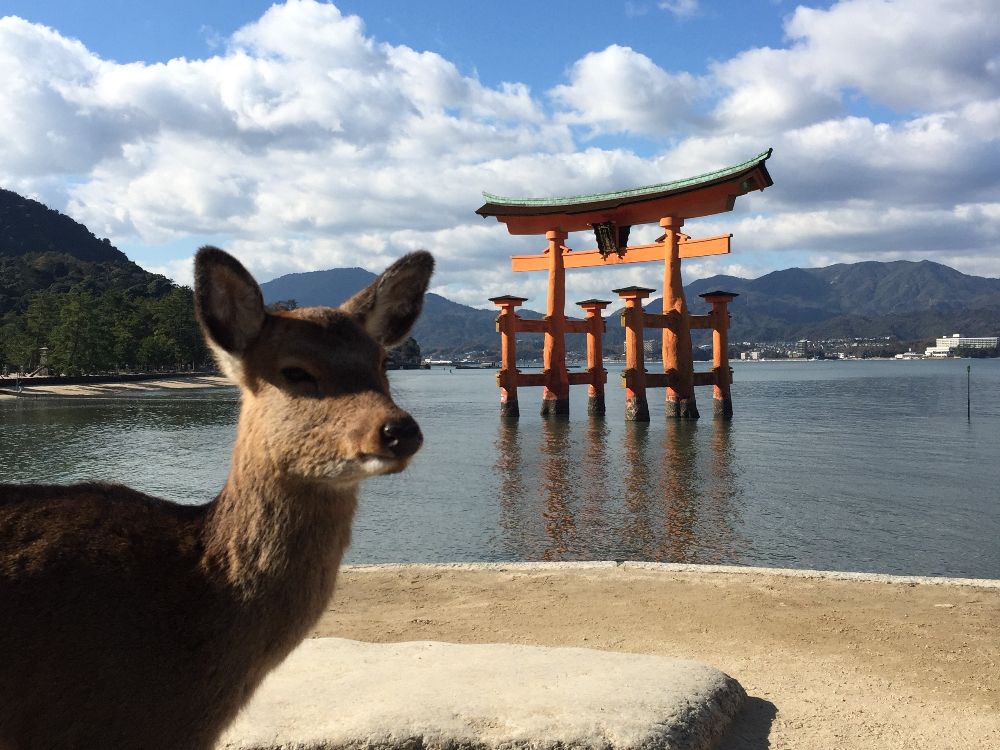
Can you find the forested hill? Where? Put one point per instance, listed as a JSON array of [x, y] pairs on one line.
[[42, 250], [27, 226], [24, 276], [84, 300]]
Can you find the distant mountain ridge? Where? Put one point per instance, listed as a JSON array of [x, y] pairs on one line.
[[906, 299], [857, 299], [444, 326]]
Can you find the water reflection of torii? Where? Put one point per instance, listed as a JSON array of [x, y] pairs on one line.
[[679, 508], [611, 216]]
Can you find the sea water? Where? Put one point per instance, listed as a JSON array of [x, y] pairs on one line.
[[848, 465]]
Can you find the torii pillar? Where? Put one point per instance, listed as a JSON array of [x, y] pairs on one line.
[[721, 396], [555, 396], [507, 376], [595, 355], [678, 354], [634, 376]]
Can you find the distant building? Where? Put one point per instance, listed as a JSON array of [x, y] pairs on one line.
[[799, 349], [750, 355], [946, 345]]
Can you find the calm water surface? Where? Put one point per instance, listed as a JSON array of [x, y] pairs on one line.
[[868, 466]]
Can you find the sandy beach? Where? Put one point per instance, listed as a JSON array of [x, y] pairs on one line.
[[828, 662], [110, 389]]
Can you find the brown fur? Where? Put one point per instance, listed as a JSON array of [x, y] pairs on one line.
[[130, 622]]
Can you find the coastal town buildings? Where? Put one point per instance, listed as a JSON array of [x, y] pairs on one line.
[[945, 346]]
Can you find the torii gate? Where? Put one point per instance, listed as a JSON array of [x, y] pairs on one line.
[[611, 216]]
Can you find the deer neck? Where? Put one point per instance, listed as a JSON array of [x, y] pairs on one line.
[[275, 536]]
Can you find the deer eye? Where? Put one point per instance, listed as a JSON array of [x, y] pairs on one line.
[[297, 375]]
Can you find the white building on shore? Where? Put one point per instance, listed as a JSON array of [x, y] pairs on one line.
[[945, 345]]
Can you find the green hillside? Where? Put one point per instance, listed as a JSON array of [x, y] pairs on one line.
[[83, 300], [27, 226]]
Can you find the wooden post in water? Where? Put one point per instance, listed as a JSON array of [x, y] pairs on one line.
[[555, 397], [634, 376], [595, 355], [678, 357], [722, 399], [507, 376]]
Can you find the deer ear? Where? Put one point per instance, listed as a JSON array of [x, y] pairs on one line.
[[229, 306], [391, 304]]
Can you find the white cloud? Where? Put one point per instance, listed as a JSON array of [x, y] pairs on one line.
[[307, 144], [620, 90], [912, 55], [681, 8], [907, 54]]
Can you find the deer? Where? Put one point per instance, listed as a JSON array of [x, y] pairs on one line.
[[129, 622]]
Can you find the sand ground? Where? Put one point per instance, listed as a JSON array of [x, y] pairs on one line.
[[828, 663], [109, 389]]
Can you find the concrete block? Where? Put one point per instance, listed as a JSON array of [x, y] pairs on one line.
[[334, 693]]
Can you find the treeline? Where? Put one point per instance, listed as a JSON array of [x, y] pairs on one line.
[[111, 332], [24, 276]]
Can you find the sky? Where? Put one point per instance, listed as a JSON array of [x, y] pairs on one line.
[[306, 135]]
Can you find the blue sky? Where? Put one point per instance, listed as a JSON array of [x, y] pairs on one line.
[[530, 42], [307, 135]]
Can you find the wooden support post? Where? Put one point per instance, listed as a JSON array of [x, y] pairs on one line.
[[634, 376], [678, 358], [507, 376], [721, 395], [595, 355], [555, 397]]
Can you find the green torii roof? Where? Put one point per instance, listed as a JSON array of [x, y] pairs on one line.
[[499, 206]]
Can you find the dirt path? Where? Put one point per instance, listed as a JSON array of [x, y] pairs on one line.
[[827, 663]]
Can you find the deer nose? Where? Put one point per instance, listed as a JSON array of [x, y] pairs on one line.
[[402, 437]]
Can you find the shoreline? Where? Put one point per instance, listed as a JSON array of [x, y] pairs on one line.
[[120, 387], [833, 575], [829, 659]]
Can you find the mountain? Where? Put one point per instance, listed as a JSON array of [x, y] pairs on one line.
[[855, 300], [42, 250], [904, 299], [445, 328], [27, 226], [317, 288]]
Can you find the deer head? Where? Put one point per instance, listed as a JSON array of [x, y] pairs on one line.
[[316, 402]]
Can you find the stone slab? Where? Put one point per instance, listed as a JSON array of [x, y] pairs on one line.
[[333, 693]]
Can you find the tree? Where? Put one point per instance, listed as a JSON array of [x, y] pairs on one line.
[[88, 333], [406, 355], [157, 351], [174, 319], [82, 341]]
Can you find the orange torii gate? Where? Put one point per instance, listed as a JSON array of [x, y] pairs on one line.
[[611, 216]]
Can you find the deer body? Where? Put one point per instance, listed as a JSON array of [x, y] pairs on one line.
[[127, 621]]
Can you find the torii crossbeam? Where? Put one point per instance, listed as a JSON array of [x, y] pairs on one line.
[[611, 216]]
